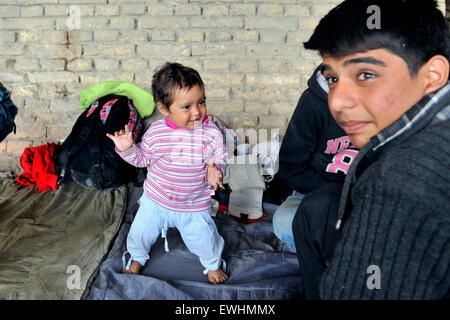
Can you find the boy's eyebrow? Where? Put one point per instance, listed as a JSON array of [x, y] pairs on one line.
[[370, 60]]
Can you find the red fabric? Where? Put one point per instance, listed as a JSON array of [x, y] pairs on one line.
[[223, 208], [39, 168]]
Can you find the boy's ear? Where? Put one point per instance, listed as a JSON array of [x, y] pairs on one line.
[[164, 111], [436, 73]]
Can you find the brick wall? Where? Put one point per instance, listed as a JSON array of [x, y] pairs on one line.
[[248, 52]]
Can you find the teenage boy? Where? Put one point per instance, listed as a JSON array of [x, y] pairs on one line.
[[389, 91]]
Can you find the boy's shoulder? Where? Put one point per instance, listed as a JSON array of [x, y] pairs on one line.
[[420, 158]]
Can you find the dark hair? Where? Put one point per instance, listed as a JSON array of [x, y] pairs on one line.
[[169, 78], [414, 30]]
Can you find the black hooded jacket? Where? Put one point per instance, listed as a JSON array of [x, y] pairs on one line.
[[308, 154]]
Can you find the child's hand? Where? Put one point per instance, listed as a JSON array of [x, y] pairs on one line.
[[122, 139], [214, 176]]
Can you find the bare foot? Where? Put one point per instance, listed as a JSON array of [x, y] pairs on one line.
[[217, 276], [135, 267]]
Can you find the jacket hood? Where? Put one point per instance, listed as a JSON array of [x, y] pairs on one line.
[[318, 84]]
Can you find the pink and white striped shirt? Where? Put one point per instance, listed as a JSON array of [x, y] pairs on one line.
[[176, 160]]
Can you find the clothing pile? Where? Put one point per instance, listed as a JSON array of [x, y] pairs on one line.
[[87, 156]]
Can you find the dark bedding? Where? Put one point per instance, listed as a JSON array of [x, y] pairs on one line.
[[259, 266]]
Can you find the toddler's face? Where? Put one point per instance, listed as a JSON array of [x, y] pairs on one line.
[[188, 108]]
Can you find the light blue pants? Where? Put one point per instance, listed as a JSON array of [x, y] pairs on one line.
[[283, 217], [197, 230]]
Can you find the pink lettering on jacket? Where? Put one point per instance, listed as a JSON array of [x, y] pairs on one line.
[[343, 156], [337, 145], [342, 161]]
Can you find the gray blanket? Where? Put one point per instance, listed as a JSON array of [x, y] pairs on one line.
[[52, 242], [259, 266]]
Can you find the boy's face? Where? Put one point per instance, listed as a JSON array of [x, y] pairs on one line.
[[188, 108], [369, 91]]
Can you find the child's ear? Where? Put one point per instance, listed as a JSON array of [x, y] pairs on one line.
[[436, 70], [162, 108]]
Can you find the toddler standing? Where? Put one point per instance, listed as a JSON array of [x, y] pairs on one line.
[[184, 155]]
